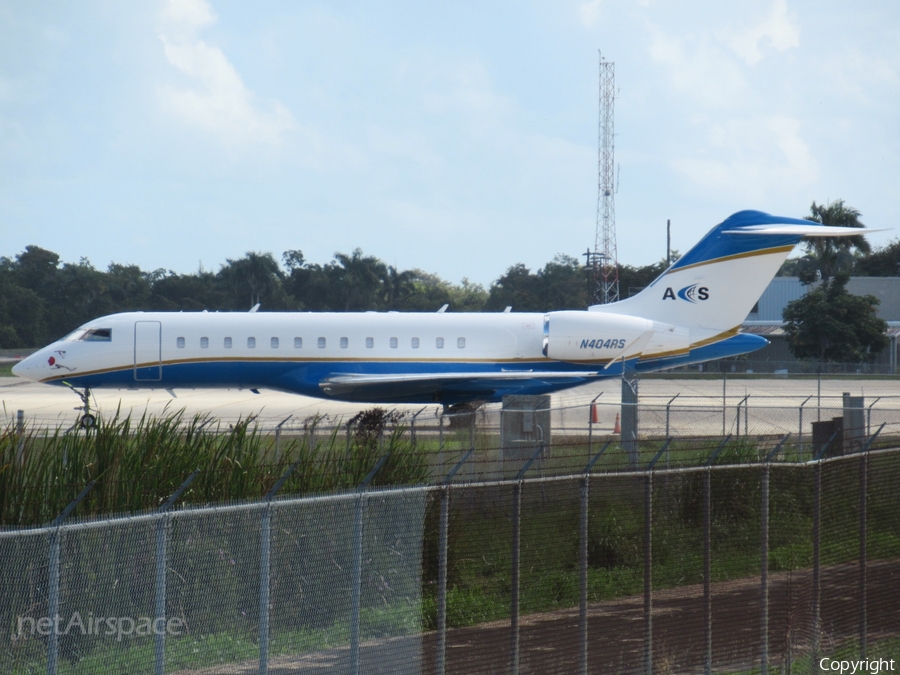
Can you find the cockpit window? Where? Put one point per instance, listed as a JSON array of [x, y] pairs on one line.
[[97, 335]]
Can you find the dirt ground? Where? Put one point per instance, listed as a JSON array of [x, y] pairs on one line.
[[549, 641]]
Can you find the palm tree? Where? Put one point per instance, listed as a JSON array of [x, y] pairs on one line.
[[256, 274], [359, 278], [831, 255]]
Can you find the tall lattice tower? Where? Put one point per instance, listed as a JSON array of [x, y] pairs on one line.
[[605, 256]]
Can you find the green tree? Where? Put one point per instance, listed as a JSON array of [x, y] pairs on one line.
[[357, 281], [632, 280], [255, 278], [188, 292], [830, 324], [560, 284], [828, 256], [883, 262], [21, 313]]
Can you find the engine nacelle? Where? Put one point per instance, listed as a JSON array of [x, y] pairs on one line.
[[592, 336]]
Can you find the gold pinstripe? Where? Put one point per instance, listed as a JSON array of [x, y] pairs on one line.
[[737, 256], [237, 359]]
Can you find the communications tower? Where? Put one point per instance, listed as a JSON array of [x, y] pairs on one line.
[[605, 259]]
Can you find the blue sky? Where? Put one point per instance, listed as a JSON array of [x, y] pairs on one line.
[[460, 138]]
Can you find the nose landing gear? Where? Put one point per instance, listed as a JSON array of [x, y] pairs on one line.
[[87, 419]]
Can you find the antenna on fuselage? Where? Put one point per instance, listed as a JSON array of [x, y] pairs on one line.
[[254, 308]]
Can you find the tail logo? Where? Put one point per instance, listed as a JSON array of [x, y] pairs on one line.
[[691, 293]]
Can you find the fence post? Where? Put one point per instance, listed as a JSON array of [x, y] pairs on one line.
[[514, 600], [764, 571], [629, 433], [747, 415], [648, 572], [412, 427], [161, 590], [668, 407], [743, 402], [724, 390], [356, 590], [869, 415], [707, 566], [20, 436], [443, 531], [764, 548], [707, 550], [278, 435], [265, 568], [53, 591], [583, 565], [817, 513], [53, 603], [592, 410], [800, 430], [648, 559], [819, 396], [349, 428], [863, 536], [817, 534], [516, 547], [441, 439], [583, 561]]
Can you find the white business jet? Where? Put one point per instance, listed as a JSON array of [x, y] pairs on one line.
[[689, 314]]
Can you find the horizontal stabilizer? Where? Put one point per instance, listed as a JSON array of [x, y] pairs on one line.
[[712, 288], [804, 230]]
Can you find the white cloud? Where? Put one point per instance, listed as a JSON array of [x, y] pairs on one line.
[[467, 90], [213, 96], [699, 67], [753, 158], [779, 29], [188, 15], [589, 12]]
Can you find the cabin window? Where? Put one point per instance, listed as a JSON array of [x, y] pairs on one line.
[[439, 343], [273, 343], [393, 343], [227, 343], [321, 343], [370, 342], [179, 342], [415, 343], [345, 343], [461, 343], [298, 343], [97, 335], [204, 343], [251, 343]]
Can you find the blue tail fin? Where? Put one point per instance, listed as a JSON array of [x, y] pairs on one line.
[[712, 288]]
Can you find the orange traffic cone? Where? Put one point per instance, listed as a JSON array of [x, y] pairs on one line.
[[594, 419], [617, 429]]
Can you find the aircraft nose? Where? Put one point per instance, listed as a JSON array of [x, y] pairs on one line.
[[29, 368]]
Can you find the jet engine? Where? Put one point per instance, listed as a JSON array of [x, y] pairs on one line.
[[592, 336]]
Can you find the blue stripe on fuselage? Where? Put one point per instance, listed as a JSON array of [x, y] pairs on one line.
[[304, 377]]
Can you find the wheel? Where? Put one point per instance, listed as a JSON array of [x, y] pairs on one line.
[[88, 421]]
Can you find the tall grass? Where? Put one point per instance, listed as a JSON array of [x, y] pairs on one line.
[[138, 463]]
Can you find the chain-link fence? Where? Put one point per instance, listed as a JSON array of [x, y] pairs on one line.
[[716, 567], [330, 581]]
